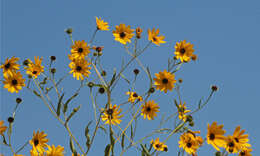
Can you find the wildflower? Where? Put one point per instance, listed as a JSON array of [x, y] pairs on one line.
[[184, 51], [112, 115], [240, 138], [98, 49], [153, 36], [149, 110], [159, 146], [215, 135], [190, 143], [101, 25], [80, 68], [17, 155], [245, 152], [55, 151], [34, 152], [79, 50], [14, 82], [35, 69], [164, 81], [182, 111], [10, 66], [2, 127], [138, 32], [123, 33], [231, 145], [39, 141], [133, 96]]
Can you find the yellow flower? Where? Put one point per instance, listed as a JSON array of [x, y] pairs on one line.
[[138, 32], [133, 96], [245, 152], [80, 49], [76, 155], [80, 68], [34, 152], [184, 51], [2, 127], [159, 146], [182, 111], [240, 138], [18, 155], [38, 142], [10, 66], [153, 36], [55, 151], [101, 25], [112, 115], [215, 135], [164, 81], [190, 143], [35, 69], [149, 110], [14, 82], [123, 33]]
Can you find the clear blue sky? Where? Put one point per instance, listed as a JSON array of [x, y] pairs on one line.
[[225, 35]]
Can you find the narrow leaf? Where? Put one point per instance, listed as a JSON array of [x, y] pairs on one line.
[[75, 110], [72, 148], [103, 128], [123, 141], [107, 150], [36, 93], [59, 104], [65, 107], [113, 78]]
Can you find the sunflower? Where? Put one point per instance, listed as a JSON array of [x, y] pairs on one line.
[[149, 110], [18, 155], [14, 82], [245, 152], [35, 69], [39, 141], [182, 111], [76, 155], [101, 25], [184, 51], [164, 81], [159, 146], [80, 68], [112, 115], [215, 135], [123, 33], [34, 152], [55, 151], [80, 49], [190, 143], [133, 96], [153, 36], [241, 138], [10, 66], [2, 127]]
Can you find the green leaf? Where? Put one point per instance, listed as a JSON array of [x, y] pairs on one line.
[[75, 110], [87, 135], [123, 141], [107, 150], [199, 105], [113, 78], [59, 104], [132, 132], [36, 93], [176, 103], [124, 78], [65, 107], [72, 148]]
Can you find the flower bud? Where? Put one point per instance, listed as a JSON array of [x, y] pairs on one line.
[[103, 73], [25, 62], [151, 90], [101, 90], [69, 31], [53, 58], [136, 71], [18, 100], [214, 88], [90, 84], [10, 119], [53, 70], [138, 32]]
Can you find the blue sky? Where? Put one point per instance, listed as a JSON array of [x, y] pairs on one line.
[[225, 35]]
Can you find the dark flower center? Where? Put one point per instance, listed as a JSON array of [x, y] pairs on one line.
[[231, 150], [34, 72], [148, 109], [80, 50], [14, 82], [236, 139], [7, 65], [154, 39], [78, 68], [231, 144], [189, 145], [212, 136], [98, 49], [122, 34], [164, 81], [242, 153], [182, 50], [157, 145], [165, 149], [135, 95], [36, 142], [110, 112]]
